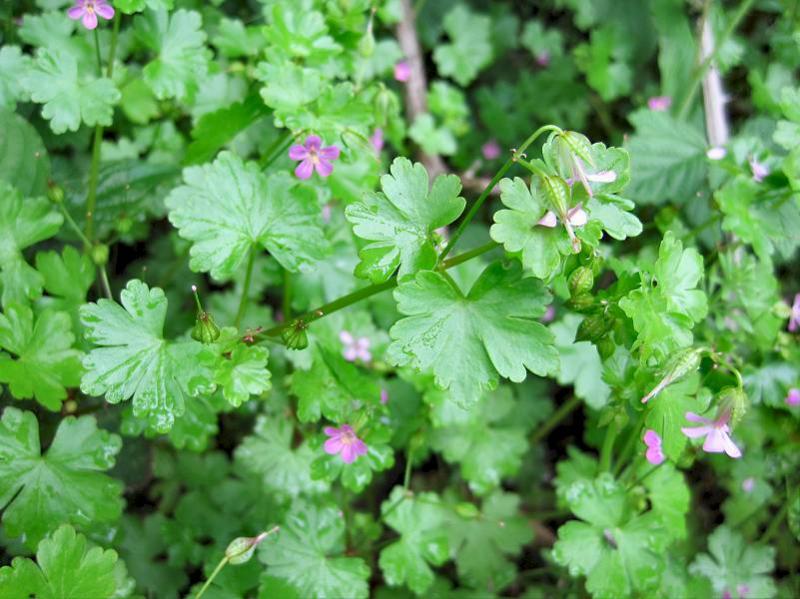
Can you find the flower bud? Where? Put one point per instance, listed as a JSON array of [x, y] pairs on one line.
[[240, 550], [99, 254], [295, 337], [582, 302], [205, 329], [55, 193], [366, 45], [578, 145], [581, 280], [682, 364], [593, 328], [556, 191], [733, 400], [385, 104]]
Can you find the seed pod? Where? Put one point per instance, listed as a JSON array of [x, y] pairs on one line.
[[683, 363], [733, 399], [99, 254], [55, 193], [581, 281], [205, 329], [578, 145], [556, 191], [594, 327], [240, 550], [295, 336], [582, 302], [366, 45]]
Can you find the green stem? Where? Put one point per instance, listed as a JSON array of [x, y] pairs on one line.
[[73, 225], [222, 563], [275, 149], [630, 443], [776, 523], [286, 303], [113, 50], [495, 180], [248, 275], [555, 419], [700, 71], [639, 481], [532, 167], [357, 296], [608, 446], [407, 474], [97, 52], [104, 282]]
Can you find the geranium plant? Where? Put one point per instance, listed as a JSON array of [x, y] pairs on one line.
[[381, 298]]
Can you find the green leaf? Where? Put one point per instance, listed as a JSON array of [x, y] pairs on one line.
[[23, 222], [603, 61], [182, 60], [468, 341], [307, 555], [669, 161], [470, 47], [296, 32], [580, 363], [669, 496], [429, 137], [134, 360], [667, 413], [423, 543], [619, 552], [229, 207], [664, 310], [542, 43], [69, 98], [66, 484], [401, 220], [242, 369], [234, 40], [485, 544], [24, 162], [541, 248], [487, 448], [42, 361], [288, 86], [66, 566], [13, 64], [268, 454], [216, 129], [733, 563], [67, 279]]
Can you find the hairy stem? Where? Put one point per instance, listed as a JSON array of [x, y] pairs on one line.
[[608, 446], [555, 419], [488, 189], [222, 563], [627, 449], [248, 276]]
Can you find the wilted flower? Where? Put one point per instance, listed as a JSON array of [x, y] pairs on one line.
[[376, 139], [794, 317], [88, 10], [716, 433], [355, 349], [491, 150], [716, 153], [659, 103], [793, 397], [343, 440], [654, 454], [402, 71], [759, 169], [313, 156]]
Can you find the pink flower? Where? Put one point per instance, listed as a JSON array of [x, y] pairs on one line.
[[717, 153], [313, 156], [793, 398], [748, 484], [355, 349], [88, 11], [794, 317], [716, 433], [491, 150], [402, 71], [543, 59], [376, 139], [653, 454], [577, 217], [549, 314], [384, 396], [326, 211], [659, 103], [759, 170], [343, 441]]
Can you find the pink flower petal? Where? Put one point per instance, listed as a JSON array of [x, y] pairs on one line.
[[90, 20], [104, 10], [364, 355], [603, 177], [313, 142], [348, 453], [692, 417], [730, 447], [793, 397], [360, 447], [659, 103], [717, 153], [331, 431], [329, 152], [324, 168], [298, 152], [384, 396], [76, 12], [715, 441], [694, 432], [345, 337], [577, 216], [334, 445], [304, 169], [363, 342], [651, 439], [491, 150], [654, 455], [549, 220], [350, 353], [402, 71], [347, 429]]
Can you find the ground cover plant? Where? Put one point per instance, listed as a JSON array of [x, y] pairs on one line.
[[381, 298]]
